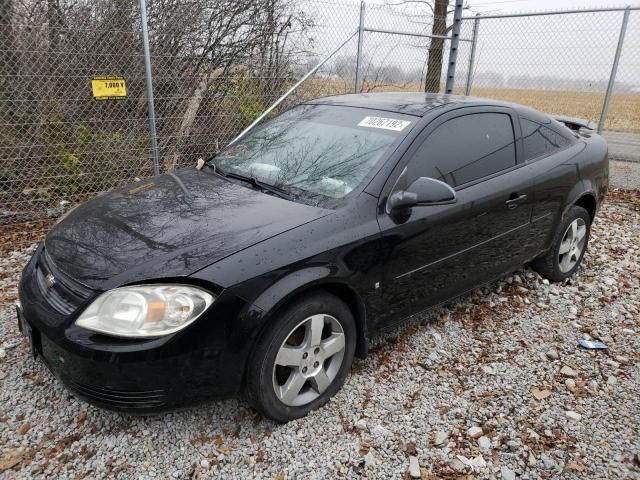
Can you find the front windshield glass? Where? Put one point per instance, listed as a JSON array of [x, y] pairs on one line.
[[316, 149]]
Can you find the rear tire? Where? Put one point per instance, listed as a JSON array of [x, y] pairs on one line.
[[303, 359], [568, 246]]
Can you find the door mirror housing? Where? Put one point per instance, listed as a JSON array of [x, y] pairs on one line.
[[423, 191]]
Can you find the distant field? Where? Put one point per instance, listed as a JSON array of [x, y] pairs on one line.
[[623, 116]]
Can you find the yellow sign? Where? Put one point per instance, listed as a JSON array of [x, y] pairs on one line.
[[109, 88]]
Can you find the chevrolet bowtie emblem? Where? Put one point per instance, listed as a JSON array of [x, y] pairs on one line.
[[50, 280]]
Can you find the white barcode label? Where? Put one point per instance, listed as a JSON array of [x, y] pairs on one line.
[[386, 123]]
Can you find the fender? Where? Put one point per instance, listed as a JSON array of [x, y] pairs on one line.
[[295, 284], [285, 288]]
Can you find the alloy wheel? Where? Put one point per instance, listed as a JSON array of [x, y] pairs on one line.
[[572, 245], [308, 360]]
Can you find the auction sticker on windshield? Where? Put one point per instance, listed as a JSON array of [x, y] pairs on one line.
[[386, 123]]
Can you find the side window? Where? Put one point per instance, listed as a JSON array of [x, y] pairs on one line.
[[465, 149], [539, 140]]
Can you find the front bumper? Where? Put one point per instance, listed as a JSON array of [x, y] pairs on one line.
[[111, 385], [199, 363]]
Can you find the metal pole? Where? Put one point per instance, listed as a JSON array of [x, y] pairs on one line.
[[149, 79], [356, 88], [614, 70], [411, 34], [472, 56], [453, 48], [554, 12], [288, 92]]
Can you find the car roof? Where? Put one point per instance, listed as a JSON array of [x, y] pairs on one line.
[[411, 103]]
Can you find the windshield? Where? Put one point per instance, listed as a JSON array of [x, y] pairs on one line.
[[316, 149]]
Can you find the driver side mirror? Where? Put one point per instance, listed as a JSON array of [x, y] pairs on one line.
[[423, 191]]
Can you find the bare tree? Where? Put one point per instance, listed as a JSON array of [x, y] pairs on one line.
[[438, 11], [436, 46], [7, 59], [377, 72], [202, 50], [56, 23]]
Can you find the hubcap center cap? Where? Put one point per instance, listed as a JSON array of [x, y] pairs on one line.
[[311, 362]]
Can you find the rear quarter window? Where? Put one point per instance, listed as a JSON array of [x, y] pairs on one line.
[[539, 141]]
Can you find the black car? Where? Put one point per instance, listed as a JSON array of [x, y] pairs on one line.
[[264, 272]]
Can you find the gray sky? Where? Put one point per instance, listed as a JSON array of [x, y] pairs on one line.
[[555, 45]]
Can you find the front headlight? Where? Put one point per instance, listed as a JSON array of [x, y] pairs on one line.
[[145, 310]]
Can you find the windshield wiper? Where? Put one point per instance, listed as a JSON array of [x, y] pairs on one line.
[[280, 192]]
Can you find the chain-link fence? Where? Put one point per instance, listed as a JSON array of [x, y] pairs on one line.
[[56, 142], [217, 65], [561, 62]]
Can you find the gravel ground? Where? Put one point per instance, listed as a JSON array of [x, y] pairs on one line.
[[492, 386]]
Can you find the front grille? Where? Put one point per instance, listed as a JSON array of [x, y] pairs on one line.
[[62, 293], [121, 398]]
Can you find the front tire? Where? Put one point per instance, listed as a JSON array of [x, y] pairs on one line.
[[303, 359], [568, 246]]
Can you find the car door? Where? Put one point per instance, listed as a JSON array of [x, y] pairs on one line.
[[440, 251]]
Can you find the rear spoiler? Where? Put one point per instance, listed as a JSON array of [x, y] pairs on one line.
[[575, 124]]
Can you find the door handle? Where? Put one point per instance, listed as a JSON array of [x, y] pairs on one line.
[[514, 202]]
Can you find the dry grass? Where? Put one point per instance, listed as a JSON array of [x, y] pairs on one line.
[[623, 116]]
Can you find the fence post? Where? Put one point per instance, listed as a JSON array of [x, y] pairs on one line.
[[453, 48], [149, 80], [356, 88], [614, 70], [472, 56]]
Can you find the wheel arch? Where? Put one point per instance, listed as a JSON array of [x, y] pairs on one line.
[[583, 195], [292, 287], [354, 301], [588, 201]]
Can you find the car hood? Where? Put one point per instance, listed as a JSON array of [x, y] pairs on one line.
[[168, 226]]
